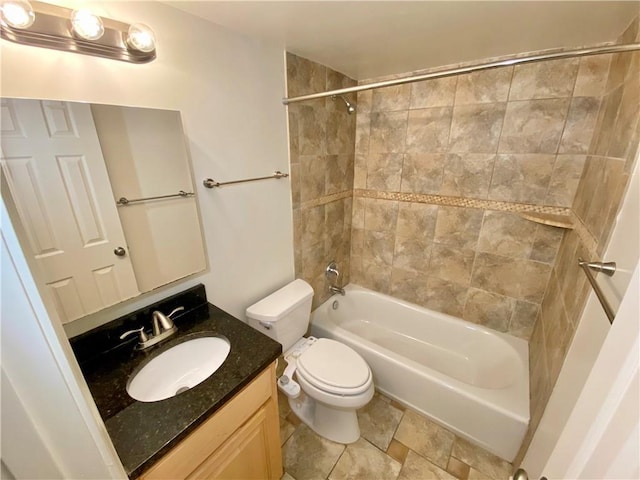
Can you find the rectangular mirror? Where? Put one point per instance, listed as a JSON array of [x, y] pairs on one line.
[[102, 198]]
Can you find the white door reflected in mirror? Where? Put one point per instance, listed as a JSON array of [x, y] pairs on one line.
[[65, 165]]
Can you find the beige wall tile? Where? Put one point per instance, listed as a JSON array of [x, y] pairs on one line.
[[304, 76], [380, 215], [364, 99], [446, 297], [391, 98], [581, 122], [384, 171], [378, 249], [439, 92], [417, 220], [422, 172], [523, 319], [340, 131], [546, 243], [376, 276], [467, 175], [488, 86], [312, 177], [549, 79], [363, 132], [626, 123], [312, 129], [312, 223], [476, 128], [498, 274], [534, 281], [565, 179], [533, 126], [388, 132], [451, 264], [458, 227], [428, 130], [507, 234], [409, 285], [489, 309], [521, 178], [592, 76], [339, 173], [360, 171], [412, 253]]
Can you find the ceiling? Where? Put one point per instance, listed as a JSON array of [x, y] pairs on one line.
[[369, 39]]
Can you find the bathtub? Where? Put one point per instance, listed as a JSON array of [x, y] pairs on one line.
[[472, 380]]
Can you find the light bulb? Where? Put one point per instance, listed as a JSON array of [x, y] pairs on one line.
[[87, 24], [140, 37], [17, 13]]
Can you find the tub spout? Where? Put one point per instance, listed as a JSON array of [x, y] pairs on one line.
[[334, 289]]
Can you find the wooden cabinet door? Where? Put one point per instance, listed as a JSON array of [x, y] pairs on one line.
[[247, 454]]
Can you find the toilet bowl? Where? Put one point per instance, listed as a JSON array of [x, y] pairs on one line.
[[325, 380]]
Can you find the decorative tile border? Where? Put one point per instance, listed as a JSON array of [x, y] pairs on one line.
[[460, 202], [584, 234]]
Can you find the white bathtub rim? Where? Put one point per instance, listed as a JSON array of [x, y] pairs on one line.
[[516, 408], [495, 400], [518, 343]]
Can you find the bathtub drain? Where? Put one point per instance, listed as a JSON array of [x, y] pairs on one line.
[[335, 305]]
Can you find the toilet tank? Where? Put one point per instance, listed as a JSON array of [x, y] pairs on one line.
[[284, 315]]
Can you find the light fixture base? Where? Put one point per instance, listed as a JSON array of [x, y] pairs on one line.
[[52, 29]]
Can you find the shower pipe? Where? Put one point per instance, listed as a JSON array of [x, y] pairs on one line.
[[581, 52]]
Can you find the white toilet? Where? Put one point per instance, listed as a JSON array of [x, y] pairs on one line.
[[326, 381]]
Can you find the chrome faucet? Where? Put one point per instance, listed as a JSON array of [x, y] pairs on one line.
[[334, 289], [163, 327], [332, 274]]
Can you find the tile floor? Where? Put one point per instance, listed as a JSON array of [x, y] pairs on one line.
[[395, 443]]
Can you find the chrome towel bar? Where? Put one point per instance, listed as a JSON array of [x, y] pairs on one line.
[[210, 183], [608, 268], [123, 201]]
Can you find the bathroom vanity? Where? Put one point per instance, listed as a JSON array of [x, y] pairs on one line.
[[225, 427]]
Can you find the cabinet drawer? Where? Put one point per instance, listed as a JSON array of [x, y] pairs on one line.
[[180, 462]]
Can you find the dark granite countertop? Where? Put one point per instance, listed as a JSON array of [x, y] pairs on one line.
[[142, 432]]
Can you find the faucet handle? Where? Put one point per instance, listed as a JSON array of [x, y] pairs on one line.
[[140, 331]]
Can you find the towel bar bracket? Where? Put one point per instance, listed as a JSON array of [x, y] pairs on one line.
[[608, 268]]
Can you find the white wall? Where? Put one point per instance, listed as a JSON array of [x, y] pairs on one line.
[[229, 91]]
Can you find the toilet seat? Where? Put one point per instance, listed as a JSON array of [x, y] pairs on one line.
[[334, 368]]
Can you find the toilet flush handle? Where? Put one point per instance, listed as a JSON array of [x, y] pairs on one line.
[[266, 325]]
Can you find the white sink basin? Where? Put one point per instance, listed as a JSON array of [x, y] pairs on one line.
[[178, 369]]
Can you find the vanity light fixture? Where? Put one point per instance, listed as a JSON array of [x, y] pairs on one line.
[[41, 24]]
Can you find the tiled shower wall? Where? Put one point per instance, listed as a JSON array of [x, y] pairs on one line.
[[321, 142], [442, 169], [610, 159]]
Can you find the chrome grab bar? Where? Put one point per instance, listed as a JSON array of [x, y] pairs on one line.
[[210, 183], [608, 268], [125, 201]]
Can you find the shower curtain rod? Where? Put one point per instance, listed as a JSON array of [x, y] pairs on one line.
[[581, 52]]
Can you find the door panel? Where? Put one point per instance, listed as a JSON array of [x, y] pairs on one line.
[[55, 171]]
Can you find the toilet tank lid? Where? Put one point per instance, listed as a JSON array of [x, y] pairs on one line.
[[275, 306]]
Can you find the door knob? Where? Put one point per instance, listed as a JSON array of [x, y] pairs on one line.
[[120, 252]]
